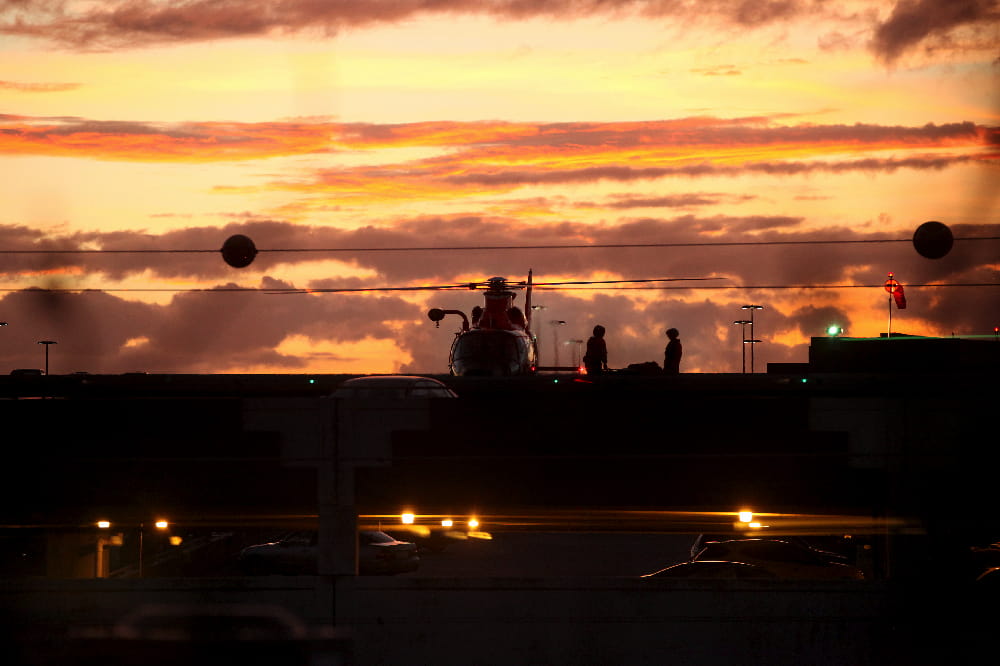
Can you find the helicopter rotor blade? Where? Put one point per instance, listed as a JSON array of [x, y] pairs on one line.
[[425, 287], [585, 282], [477, 285]]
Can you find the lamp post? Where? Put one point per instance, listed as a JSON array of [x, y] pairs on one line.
[[103, 541], [752, 341], [161, 525], [743, 338], [577, 351], [47, 343], [556, 323], [537, 308]]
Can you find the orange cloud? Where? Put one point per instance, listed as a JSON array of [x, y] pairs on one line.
[[152, 142], [20, 86]]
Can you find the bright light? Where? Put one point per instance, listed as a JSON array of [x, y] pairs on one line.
[[447, 522], [833, 329], [407, 518], [755, 525], [104, 524], [746, 516], [473, 523], [162, 524]]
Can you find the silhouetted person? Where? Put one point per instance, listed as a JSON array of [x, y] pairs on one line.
[[672, 354], [596, 358]]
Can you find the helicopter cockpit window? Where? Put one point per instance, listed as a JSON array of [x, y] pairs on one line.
[[495, 344], [392, 387], [430, 388]]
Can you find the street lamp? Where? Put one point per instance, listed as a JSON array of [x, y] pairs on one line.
[[161, 525], [752, 341], [47, 343], [556, 323], [537, 308], [743, 338], [577, 351]]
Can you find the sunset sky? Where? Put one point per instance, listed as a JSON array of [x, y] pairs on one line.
[[331, 125]]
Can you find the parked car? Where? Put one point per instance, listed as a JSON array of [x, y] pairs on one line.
[[782, 558], [990, 577], [393, 387], [812, 543], [714, 569], [298, 554]]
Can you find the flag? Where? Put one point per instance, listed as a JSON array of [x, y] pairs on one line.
[[899, 297]]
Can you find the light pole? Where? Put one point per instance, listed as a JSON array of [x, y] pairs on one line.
[[577, 351], [556, 323], [103, 542], [161, 525], [743, 338], [753, 340], [47, 343], [537, 308]]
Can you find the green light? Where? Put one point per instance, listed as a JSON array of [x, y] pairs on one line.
[[833, 329], [804, 380], [312, 381], [555, 381]]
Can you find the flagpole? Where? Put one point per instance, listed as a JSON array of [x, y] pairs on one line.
[[889, 332], [890, 285]]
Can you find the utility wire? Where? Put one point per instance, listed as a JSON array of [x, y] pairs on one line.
[[258, 290], [456, 248]]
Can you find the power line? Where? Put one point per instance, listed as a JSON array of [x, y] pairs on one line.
[[458, 248], [290, 290]]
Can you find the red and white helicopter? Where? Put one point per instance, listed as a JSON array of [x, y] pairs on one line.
[[496, 341]]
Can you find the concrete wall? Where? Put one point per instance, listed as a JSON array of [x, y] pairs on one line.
[[570, 621], [550, 621]]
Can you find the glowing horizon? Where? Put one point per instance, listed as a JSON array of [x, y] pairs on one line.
[[176, 124]]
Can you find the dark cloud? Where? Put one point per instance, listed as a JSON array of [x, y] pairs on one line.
[[687, 200], [106, 24], [812, 319], [517, 177], [194, 332], [382, 250], [914, 21], [210, 331], [111, 24]]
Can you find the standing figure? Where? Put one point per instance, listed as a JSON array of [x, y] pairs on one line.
[[672, 354], [596, 358]]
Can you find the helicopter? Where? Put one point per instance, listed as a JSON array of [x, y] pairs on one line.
[[496, 341]]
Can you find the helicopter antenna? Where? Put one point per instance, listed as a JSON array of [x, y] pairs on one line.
[[527, 304]]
